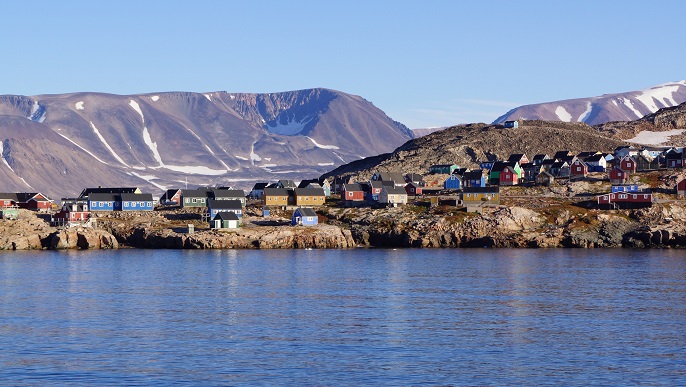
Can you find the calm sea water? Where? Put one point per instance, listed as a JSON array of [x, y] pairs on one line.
[[360, 317]]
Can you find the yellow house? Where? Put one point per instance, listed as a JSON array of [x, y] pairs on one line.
[[275, 197], [309, 197], [480, 196]]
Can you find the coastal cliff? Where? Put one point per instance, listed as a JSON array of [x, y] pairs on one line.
[[545, 224]]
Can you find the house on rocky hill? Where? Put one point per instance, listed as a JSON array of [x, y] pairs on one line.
[[545, 179], [559, 169], [309, 197], [480, 196], [258, 190], [171, 197], [578, 169], [625, 200], [681, 188], [194, 198], [413, 189], [618, 176], [73, 211], [596, 163], [538, 159], [508, 177], [228, 194], [627, 164], [453, 182], [225, 221], [136, 202], [475, 178], [393, 196], [352, 194], [675, 160], [646, 163], [519, 158], [304, 216], [275, 197], [216, 206], [444, 169]]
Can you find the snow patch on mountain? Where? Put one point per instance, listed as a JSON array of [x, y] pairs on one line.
[[648, 137], [584, 116], [155, 98], [627, 102], [322, 146], [241, 157], [325, 164], [79, 105], [37, 112], [194, 170], [253, 156], [153, 146], [208, 96], [291, 128], [137, 108], [663, 94], [102, 139], [149, 179], [2, 154], [563, 114], [82, 148]]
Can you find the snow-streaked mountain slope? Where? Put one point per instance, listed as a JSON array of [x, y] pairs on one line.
[[161, 139], [627, 106]]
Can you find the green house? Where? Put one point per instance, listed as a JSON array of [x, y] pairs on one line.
[[494, 174], [443, 168]]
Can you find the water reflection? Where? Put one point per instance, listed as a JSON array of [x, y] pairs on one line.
[[485, 317]]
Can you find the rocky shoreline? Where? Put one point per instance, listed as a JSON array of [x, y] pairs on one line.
[[555, 224]]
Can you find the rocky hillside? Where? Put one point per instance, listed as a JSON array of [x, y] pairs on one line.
[[666, 124], [466, 144], [58, 144], [627, 106]]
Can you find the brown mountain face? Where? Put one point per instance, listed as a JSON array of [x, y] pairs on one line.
[[672, 119], [627, 106], [59, 144], [465, 145]]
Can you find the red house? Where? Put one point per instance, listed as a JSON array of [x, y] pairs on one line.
[[628, 164], [625, 200], [618, 176], [34, 201], [578, 169], [681, 188], [73, 210], [352, 193], [413, 189], [8, 200], [508, 176]]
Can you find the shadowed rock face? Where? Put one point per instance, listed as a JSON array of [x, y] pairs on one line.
[[59, 144], [627, 106]]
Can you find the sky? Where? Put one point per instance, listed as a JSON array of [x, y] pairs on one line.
[[424, 63]]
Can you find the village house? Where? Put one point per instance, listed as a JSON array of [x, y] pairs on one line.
[[228, 194], [375, 188], [136, 202], [545, 179], [681, 188], [486, 165], [415, 178], [194, 198], [103, 202], [352, 194], [626, 150], [480, 196], [304, 216], [445, 169], [109, 190], [621, 200], [453, 182], [258, 190], [675, 160], [508, 176], [538, 159], [596, 163], [316, 183], [275, 197], [171, 197], [618, 176], [530, 171], [74, 210], [8, 199], [646, 162], [578, 169], [413, 189], [519, 158], [35, 201], [393, 196], [628, 164], [225, 221], [216, 206], [624, 188], [494, 174], [562, 155], [475, 178], [559, 169], [309, 196], [511, 124], [397, 178], [286, 184]]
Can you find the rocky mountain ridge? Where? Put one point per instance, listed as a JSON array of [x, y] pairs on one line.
[[627, 106], [59, 144]]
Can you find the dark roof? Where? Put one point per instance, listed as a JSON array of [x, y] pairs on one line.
[[500, 165], [473, 175], [352, 187], [460, 171], [305, 211], [376, 184], [395, 191], [226, 215], [8, 195], [276, 192], [541, 156], [441, 166], [388, 184], [546, 174], [287, 183], [595, 158], [103, 197], [558, 164], [494, 189], [111, 190], [259, 186], [674, 156], [227, 193], [415, 177], [561, 154], [392, 176], [131, 197], [548, 161], [309, 192], [194, 193], [306, 182], [224, 204], [515, 157]]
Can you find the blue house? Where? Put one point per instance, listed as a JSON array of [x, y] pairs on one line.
[[475, 178], [487, 165], [452, 182], [216, 206], [135, 202], [304, 216], [104, 202], [625, 188], [511, 124]]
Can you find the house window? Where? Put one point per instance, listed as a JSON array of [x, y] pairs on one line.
[[141, 204], [350, 194], [102, 204], [195, 200], [645, 196], [187, 200], [126, 204], [622, 196]]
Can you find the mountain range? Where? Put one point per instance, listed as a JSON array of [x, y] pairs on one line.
[[59, 144], [626, 106]]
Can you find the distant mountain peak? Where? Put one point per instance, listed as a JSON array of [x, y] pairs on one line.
[[626, 106]]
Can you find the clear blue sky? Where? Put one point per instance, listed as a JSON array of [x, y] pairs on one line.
[[425, 63]]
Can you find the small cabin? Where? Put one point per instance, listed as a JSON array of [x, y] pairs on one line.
[[511, 124], [304, 216], [225, 220], [681, 188], [545, 179]]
